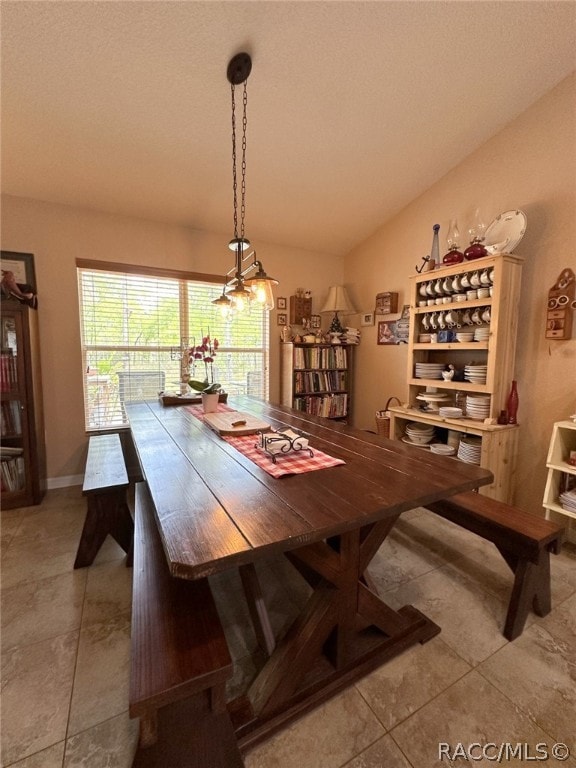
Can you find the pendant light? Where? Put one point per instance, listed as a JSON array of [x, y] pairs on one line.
[[246, 281]]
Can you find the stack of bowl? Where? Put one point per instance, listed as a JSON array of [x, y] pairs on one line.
[[465, 337], [420, 434]]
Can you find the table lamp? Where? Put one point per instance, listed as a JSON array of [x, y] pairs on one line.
[[337, 301]]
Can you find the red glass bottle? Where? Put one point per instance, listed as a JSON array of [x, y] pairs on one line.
[[512, 404]]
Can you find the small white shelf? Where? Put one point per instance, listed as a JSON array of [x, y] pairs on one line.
[[563, 441]]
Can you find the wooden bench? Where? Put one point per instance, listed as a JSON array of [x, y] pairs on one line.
[[105, 487], [524, 541], [179, 661]]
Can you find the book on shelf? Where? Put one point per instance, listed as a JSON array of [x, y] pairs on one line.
[[10, 421], [7, 370], [12, 473]]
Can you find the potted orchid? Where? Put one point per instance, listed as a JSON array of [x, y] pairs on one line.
[[205, 352]]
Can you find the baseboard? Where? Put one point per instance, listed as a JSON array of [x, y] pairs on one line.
[[65, 481]]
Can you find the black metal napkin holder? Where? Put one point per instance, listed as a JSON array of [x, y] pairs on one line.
[[282, 443]]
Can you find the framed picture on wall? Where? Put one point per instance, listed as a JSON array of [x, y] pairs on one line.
[[367, 318], [281, 302], [315, 321], [282, 319], [22, 265]]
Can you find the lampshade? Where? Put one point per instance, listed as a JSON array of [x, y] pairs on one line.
[[337, 300]]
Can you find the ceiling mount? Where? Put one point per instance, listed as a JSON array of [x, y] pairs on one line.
[[239, 68]]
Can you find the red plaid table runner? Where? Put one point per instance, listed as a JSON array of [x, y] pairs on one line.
[[287, 464]]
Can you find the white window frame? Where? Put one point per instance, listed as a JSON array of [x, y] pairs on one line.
[[102, 407]]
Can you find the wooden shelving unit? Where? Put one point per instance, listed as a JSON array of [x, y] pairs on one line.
[[23, 455], [560, 472], [317, 378], [499, 442]]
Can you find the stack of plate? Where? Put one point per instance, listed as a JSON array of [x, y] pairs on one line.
[[442, 449], [421, 434], [475, 373], [478, 407], [481, 334], [470, 449], [433, 399], [429, 370], [450, 413]]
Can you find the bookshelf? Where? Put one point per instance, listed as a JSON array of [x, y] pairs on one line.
[[22, 453], [317, 379]]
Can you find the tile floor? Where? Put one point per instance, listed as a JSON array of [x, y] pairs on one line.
[[65, 655]]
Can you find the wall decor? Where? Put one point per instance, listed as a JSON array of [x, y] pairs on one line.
[[386, 303], [282, 319], [393, 332], [281, 302], [22, 264], [367, 318], [315, 321], [560, 306]]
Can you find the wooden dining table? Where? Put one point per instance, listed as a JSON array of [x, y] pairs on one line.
[[216, 510]]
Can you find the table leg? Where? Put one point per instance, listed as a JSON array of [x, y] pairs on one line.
[[257, 607], [344, 631]]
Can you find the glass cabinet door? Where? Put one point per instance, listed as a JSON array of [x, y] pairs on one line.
[[13, 449]]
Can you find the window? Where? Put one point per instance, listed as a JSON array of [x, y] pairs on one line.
[[134, 326]]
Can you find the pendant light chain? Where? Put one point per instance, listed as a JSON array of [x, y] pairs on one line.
[[234, 182], [243, 189], [243, 163]]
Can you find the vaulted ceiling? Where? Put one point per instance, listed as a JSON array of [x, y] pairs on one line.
[[354, 108]]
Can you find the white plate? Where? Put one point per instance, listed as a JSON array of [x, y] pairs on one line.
[[418, 445], [505, 232]]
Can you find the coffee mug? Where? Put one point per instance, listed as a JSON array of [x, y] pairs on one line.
[[441, 320], [452, 318], [475, 280], [466, 319], [434, 320], [485, 277], [426, 322], [465, 281], [477, 316], [486, 315], [457, 284], [447, 285]]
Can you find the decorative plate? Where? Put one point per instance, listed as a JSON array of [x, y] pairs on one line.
[[505, 232]]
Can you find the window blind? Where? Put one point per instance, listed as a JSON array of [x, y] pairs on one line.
[[135, 327]]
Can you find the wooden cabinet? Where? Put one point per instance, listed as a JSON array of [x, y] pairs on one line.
[[496, 311], [300, 310], [23, 455], [317, 378], [561, 474]]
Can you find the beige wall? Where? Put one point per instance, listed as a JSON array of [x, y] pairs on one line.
[[57, 235], [530, 164]]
